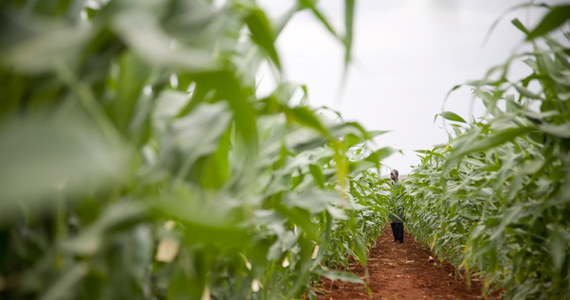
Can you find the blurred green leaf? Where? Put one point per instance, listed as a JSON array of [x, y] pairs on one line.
[[262, 33], [556, 16], [486, 143], [115, 217], [131, 80], [167, 107], [317, 175], [527, 93], [361, 251], [340, 275], [560, 130], [349, 24], [300, 217], [311, 5], [143, 33], [60, 289], [520, 26], [42, 157], [451, 116], [206, 215], [185, 140], [314, 201], [557, 247], [304, 116], [380, 154], [40, 45]]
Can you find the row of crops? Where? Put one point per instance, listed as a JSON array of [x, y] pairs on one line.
[[495, 200], [138, 160]]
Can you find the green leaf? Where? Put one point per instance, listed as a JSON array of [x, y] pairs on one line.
[[37, 46], [311, 5], [189, 277], [167, 107], [143, 33], [301, 218], [454, 88], [43, 157], [303, 139], [206, 216], [526, 92], [186, 139], [313, 200], [452, 116], [306, 117], [117, 216], [262, 34], [560, 130], [380, 154], [557, 247], [217, 166], [486, 143], [349, 24], [340, 275], [553, 19], [375, 133], [133, 74], [361, 251], [520, 26], [227, 86], [496, 22], [317, 175], [60, 289]]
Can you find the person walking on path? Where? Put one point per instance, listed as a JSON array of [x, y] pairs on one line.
[[397, 215]]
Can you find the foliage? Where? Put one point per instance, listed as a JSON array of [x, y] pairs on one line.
[[140, 162], [496, 199]]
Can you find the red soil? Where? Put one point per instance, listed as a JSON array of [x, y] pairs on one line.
[[402, 271]]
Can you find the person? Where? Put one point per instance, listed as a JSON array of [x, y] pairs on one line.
[[397, 215]]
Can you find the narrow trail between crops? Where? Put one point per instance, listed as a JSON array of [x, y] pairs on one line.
[[402, 271]]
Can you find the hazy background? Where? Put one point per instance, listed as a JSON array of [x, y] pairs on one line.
[[407, 55]]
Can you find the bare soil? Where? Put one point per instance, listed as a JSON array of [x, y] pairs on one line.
[[403, 271]]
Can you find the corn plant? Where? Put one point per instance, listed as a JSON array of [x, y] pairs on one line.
[[496, 200], [139, 162]]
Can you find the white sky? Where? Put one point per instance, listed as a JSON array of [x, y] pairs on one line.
[[407, 55]]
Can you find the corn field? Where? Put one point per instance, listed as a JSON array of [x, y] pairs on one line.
[[495, 200], [139, 161]]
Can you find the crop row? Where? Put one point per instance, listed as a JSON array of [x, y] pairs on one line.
[[140, 162], [495, 200]]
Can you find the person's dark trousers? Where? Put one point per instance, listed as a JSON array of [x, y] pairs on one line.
[[398, 231]]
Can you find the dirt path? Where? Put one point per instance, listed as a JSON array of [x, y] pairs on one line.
[[402, 271]]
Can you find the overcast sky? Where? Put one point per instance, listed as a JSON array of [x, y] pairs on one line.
[[407, 55]]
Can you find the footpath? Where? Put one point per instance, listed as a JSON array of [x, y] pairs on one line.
[[403, 271]]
